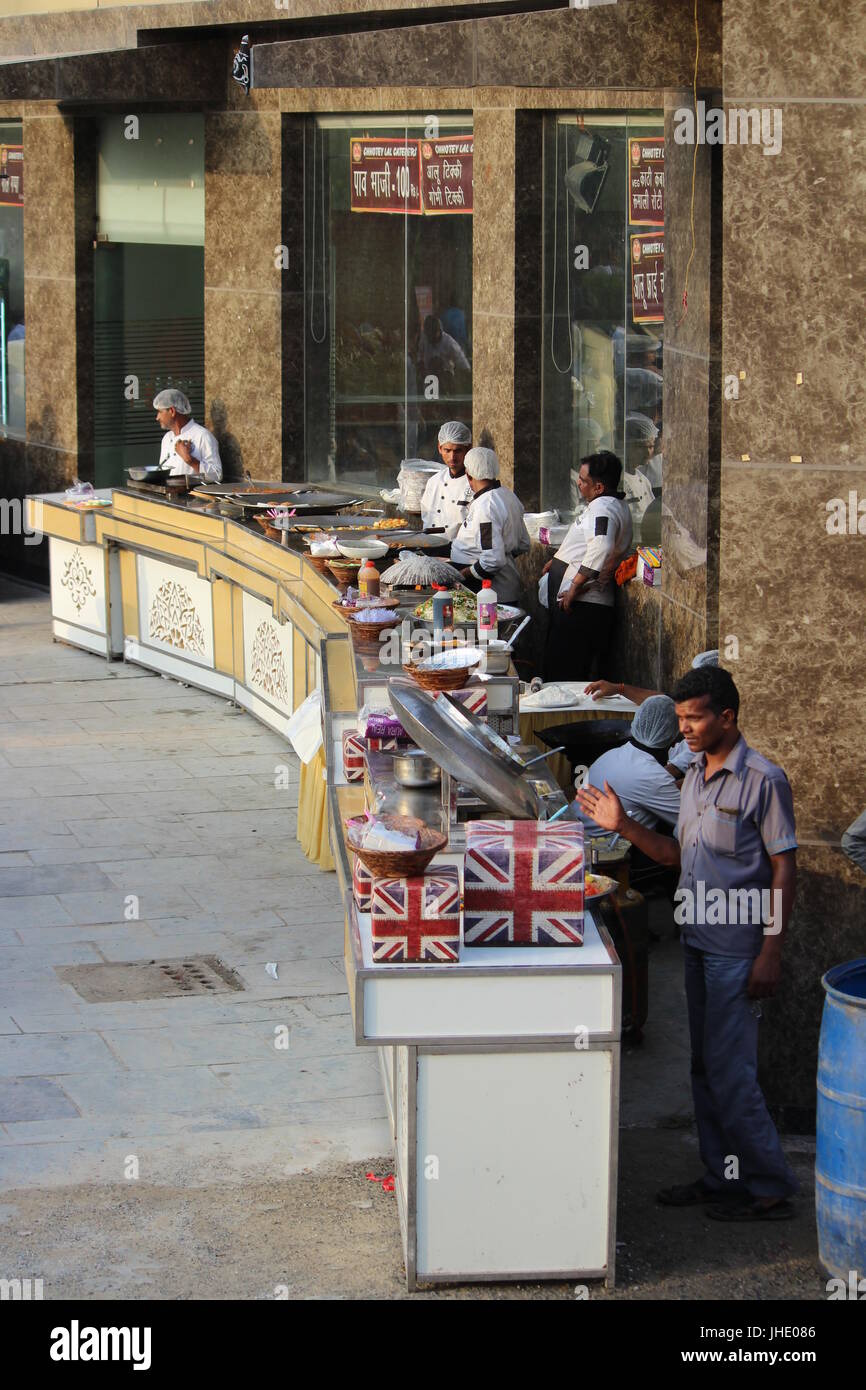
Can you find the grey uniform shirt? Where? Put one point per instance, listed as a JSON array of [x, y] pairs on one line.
[[727, 829], [854, 841]]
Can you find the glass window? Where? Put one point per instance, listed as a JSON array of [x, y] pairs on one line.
[[148, 282], [12, 279], [603, 277], [388, 291]]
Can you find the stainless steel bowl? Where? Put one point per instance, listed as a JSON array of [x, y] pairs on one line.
[[415, 768]]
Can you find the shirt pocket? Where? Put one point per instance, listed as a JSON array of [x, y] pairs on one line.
[[722, 829]]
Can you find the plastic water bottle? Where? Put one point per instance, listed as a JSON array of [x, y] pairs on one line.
[[443, 612], [488, 623]]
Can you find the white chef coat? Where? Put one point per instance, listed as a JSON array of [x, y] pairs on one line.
[[596, 544], [493, 533], [648, 793], [444, 502], [204, 448]]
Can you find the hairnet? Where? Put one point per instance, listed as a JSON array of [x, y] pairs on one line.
[[656, 725], [481, 463], [706, 659], [455, 432], [638, 426], [166, 399]]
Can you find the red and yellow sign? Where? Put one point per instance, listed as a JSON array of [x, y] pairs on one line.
[[648, 277], [411, 176], [12, 176]]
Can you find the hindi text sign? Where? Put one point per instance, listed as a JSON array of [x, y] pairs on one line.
[[646, 182], [384, 175], [648, 277]]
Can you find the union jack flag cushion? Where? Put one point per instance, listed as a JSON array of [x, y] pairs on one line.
[[417, 919], [353, 755], [385, 745], [362, 885], [473, 698], [523, 884]]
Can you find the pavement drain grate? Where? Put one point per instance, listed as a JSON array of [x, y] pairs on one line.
[[122, 981]]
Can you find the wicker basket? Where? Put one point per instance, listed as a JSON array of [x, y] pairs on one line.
[[272, 532], [399, 863], [344, 571], [440, 680], [369, 632], [347, 610], [319, 562]]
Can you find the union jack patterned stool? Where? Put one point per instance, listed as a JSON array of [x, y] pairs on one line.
[[523, 884], [354, 748], [473, 698], [417, 919], [362, 885]]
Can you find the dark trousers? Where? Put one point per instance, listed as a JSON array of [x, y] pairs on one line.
[[730, 1110], [577, 641]]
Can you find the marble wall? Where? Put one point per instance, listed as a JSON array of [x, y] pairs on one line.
[[243, 279], [790, 592]]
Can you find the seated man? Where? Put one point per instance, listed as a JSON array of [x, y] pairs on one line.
[[186, 447], [679, 755], [493, 532], [637, 772]]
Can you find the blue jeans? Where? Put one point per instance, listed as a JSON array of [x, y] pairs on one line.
[[730, 1110]]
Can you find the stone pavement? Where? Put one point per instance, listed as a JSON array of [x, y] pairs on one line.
[[122, 791]]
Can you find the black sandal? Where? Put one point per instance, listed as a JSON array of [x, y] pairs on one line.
[[691, 1194], [782, 1210]]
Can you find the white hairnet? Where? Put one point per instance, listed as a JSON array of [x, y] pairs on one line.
[[706, 659], [455, 432], [481, 463], [166, 399], [638, 426], [656, 725]]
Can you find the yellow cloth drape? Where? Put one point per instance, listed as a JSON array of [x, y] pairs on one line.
[[313, 812]]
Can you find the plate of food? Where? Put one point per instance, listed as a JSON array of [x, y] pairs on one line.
[[466, 609], [597, 886]]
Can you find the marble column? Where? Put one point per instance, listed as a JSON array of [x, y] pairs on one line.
[[792, 582], [243, 275], [493, 305]]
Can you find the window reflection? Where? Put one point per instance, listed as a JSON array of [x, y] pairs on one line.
[[12, 419], [603, 280], [388, 292]]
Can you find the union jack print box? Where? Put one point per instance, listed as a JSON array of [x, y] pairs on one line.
[[362, 885], [473, 698], [386, 745], [523, 884], [354, 746], [417, 919]]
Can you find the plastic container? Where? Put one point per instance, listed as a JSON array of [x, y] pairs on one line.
[[840, 1157], [368, 580], [488, 623], [443, 611]]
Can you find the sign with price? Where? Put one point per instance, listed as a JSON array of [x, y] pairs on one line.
[[648, 277], [385, 175], [12, 176], [646, 182]]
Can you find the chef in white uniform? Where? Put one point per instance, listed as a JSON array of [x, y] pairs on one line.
[[448, 494], [493, 533], [186, 447], [580, 576]]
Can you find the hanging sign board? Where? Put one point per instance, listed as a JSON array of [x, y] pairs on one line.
[[385, 175], [648, 277], [12, 176], [446, 174], [646, 182], [411, 176]]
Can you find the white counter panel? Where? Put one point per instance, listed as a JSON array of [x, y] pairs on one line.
[[175, 611], [78, 597], [498, 1135]]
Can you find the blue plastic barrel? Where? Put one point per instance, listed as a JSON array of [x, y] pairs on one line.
[[840, 1162]]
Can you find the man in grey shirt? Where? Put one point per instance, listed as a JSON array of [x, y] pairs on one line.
[[854, 841], [735, 846]]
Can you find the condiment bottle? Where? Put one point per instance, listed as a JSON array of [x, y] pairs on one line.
[[488, 623], [368, 580], [443, 611]]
